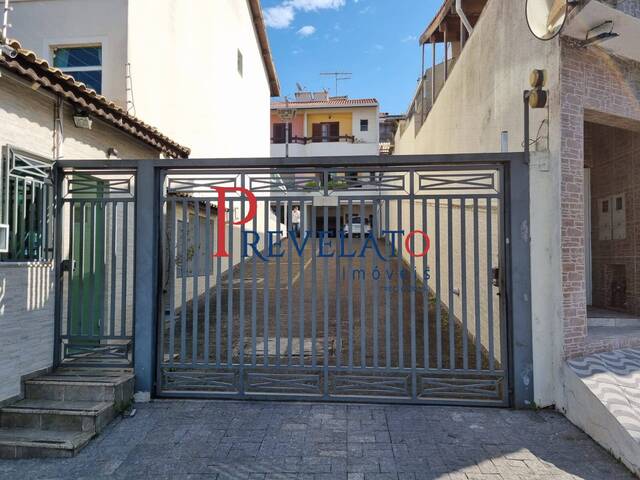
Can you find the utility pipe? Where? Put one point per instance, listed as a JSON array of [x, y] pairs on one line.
[[463, 17]]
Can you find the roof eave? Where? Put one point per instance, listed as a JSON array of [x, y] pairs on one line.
[[265, 49], [28, 66]]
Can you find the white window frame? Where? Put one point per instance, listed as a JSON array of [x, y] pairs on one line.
[[94, 68]]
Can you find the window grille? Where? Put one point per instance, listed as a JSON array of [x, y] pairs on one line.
[[26, 205]]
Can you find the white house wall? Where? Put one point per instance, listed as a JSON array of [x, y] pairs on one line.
[[40, 24], [184, 67], [482, 98]]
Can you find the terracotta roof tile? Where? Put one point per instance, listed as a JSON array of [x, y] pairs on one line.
[[332, 102], [28, 65]]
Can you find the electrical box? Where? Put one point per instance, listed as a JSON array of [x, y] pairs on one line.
[[604, 218], [619, 217], [4, 238]]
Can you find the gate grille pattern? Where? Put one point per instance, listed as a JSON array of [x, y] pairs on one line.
[[97, 218], [341, 311]]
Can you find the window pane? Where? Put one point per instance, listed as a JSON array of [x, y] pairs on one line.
[[90, 79], [77, 57]]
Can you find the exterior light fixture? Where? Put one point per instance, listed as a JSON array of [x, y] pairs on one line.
[[82, 120], [600, 33], [113, 152]]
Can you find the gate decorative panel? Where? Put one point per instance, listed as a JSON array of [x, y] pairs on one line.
[[334, 284]]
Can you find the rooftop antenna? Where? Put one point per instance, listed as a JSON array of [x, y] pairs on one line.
[[301, 88], [339, 76]]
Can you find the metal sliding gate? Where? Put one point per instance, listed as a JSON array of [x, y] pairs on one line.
[[373, 283]]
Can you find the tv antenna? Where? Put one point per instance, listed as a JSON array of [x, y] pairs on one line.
[[339, 77]]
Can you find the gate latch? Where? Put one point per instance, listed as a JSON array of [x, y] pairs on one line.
[[68, 265], [496, 276]]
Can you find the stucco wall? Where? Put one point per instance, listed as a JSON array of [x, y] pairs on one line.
[[482, 98], [26, 290], [184, 67]]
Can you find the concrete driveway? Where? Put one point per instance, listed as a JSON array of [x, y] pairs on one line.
[[264, 440]]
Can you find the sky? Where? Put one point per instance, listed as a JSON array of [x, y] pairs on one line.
[[376, 40]]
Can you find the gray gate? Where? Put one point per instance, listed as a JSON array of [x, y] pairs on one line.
[[389, 287], [95, 237]]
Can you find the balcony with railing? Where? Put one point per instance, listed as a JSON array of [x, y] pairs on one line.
[[447, 34]]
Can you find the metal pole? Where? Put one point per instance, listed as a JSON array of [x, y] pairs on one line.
[[527, 140], [286, 139], [5, 21]]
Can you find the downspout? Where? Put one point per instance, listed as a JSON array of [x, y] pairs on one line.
[[58, 129], [463, 16]]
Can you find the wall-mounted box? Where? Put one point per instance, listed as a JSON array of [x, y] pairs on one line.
[[619, 217], [604, 218]]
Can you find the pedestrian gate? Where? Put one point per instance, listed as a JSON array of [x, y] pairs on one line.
[[372, 283], [388, 279]]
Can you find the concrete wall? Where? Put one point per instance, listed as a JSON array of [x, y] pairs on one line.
[[184, 68], [26, 290], [40, 25], [480, 100]]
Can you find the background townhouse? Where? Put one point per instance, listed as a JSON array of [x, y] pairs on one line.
[[583, 187], [324, 126]]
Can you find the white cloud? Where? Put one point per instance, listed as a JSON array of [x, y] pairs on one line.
[[279, 17], [307, 31], [311, 5], [410, 38], [282, 16]]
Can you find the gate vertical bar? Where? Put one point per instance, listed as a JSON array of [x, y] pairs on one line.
[[58, 177]]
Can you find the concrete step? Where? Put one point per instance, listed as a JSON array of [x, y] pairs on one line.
[[80, 416], [83, 384], [36, 443]]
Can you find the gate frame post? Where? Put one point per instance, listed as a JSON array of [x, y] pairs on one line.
[[519, 281], [145, 300]]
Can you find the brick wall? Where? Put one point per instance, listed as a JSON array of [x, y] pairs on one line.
[[595, 87], [613, 155], [632, 7]]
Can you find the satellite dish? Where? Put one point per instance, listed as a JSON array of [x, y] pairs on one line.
[[546, 18]]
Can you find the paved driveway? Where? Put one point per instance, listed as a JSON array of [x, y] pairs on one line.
[[269, 441]]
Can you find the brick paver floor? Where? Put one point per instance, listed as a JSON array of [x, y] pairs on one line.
[[285, 441]]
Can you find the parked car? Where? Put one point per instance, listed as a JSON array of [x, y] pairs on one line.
[[356, 228]]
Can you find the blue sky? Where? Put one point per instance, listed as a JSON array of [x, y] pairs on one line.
[[377, 40]]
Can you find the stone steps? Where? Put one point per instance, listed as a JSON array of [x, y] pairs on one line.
[[62, 411], [85, 416]]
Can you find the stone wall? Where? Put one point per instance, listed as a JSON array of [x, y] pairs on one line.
[[600, 88]]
